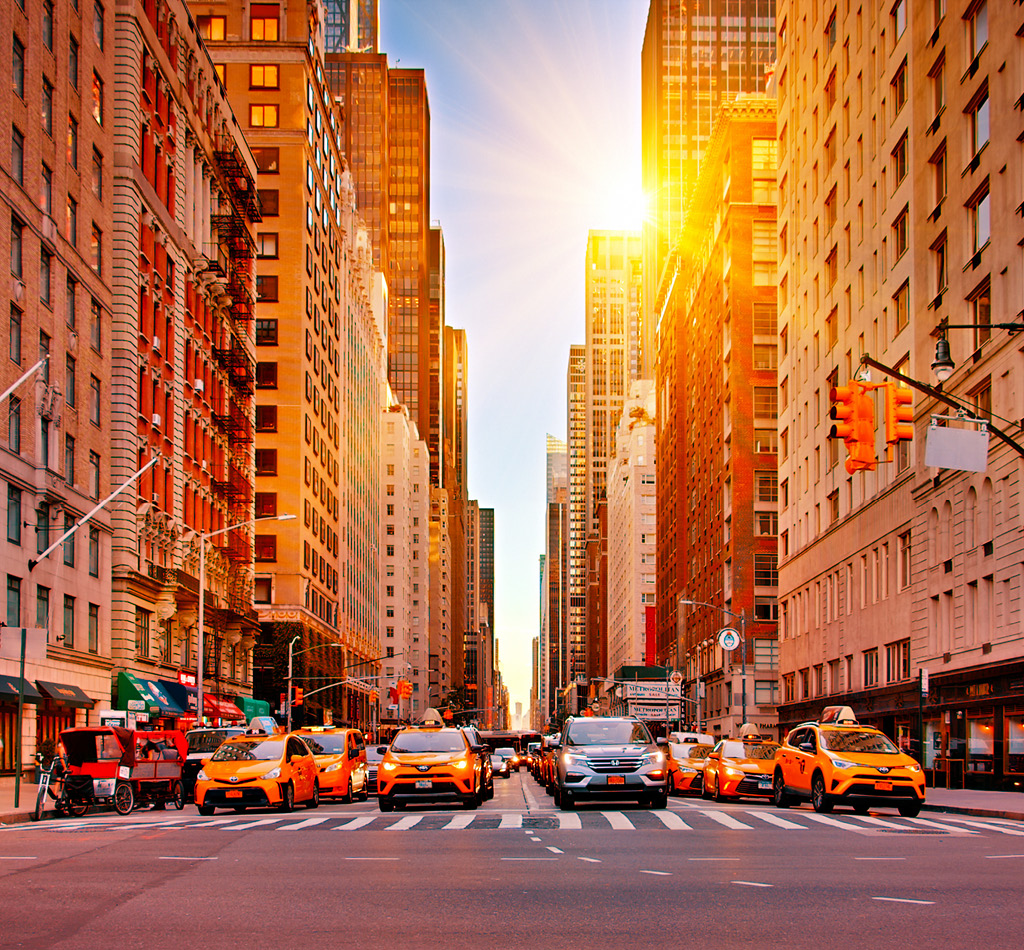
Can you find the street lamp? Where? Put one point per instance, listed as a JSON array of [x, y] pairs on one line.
[[203, 538]]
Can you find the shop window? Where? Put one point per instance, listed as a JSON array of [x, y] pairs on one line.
[[980, 744]]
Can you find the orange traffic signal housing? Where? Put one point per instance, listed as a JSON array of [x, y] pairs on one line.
[[298, 696], [899, 413], [854, 410]]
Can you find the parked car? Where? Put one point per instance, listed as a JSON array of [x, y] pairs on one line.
[[373, 760], [608, 758], [474, 738], [341, 760], [255, 771], [838, 761]]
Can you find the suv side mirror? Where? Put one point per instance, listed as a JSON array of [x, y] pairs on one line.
[[478, 749], [662, 742]]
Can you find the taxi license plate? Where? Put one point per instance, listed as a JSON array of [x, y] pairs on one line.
[[616, 780], [883, 786], [424, 783], [765, 781], [235, 793]]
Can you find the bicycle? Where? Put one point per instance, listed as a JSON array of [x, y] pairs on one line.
[[49, 779]]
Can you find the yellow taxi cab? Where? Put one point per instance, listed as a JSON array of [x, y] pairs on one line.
[[740, 767], [430, 763], [685, 763], [340, 760], [258, 771], [836, 760]]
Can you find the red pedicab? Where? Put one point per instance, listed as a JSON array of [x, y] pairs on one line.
[[108, 765]]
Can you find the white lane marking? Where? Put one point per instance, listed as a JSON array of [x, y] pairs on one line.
[[949, 829], [32, 857], [554, 850], [986, 826], [239, 826], [878, 859], [355, 823], [512, 821], [724, 819], [589, 860], [835, 823], [529, 859], [658, 873], [568, 821], [459, 822], [712, 859], [878, 822], [534, 839], [673, 821], [372, 858], [901, 900], [185, 857], [1004, 855], [777, 821], [752, 883], [618, 821], [213, 822], [308, 823], [404, 824]]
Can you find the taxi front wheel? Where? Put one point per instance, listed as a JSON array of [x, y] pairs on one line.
[[779, 796], [910, 809], [820, 801]]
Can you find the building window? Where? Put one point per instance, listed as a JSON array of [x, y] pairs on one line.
[[73, 62], [14, 425], [94, 552], [212, 27], [48, 24], [899, 162], [766, 402], [870, 668], [899, 89], [96, 249], [940, 263], [71, 221], [18, 67], [97, 23], [266, 288], [264, 116], [977, 30], [766, 523], [96, 325], [94, 628], [266, 547], [766, 486], [94, 475], [17, 156], [766, 573], [766, 692], [13, 514], [45, 277], [766, 356], [43, 609], [268, 160], [266, 375], [264, 77], [46, 190], [789, 688], [897, 661], [262, 590], [264, 29], [266, 461], [17, 239], [72, 141], [266, 504], [69, 621], [69, 459], [94, 400], [143, 626], [979, 305], [266, 418], [47, 108], [981, 225], [266, 245], [766, 440], [269, 202], [266, 332], [901, 306], [97, 174], [97, 99], [899, 17]]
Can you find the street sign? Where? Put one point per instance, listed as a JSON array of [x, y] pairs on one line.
[[728, 639], [676, 678], [924, 682]]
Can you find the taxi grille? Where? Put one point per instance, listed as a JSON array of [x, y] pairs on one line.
[[614, 765], [751, 785]]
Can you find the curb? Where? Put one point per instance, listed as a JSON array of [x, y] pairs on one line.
[[976, 812]]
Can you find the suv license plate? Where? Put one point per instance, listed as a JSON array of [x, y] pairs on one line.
[[883, 786], [424, 783], [234, 793], [616, 780]]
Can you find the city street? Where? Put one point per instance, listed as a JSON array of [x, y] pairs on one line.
[[743, 874]]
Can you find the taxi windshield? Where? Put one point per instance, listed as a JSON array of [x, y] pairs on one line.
[[873, 743], [429, 742], [609, 732], [321, 743], [207, 740], [749, 750], [691, 751], [255, 750]]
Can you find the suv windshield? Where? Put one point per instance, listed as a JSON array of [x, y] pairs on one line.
[[429, 742], [749, 750], [871, 742], [608, 732], [207, 740], [255, 749]]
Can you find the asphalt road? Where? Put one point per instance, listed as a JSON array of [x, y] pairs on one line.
[[515, 872]]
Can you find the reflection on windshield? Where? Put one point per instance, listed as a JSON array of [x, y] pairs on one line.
[[257, 750], [209, 739], [871, 742], [749, 750], [687, 751], [372, 755], [609, 732], [429, 742], [321, 744]]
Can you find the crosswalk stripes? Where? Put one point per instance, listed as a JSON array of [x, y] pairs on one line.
[[247, 824], [569, 822], [618, 821], [459, 822], [777, 821], [723, 819], [404, 824], [831, 822], [951, 829], [361, 822], [671, 820], [878, 822], [511, 821], [985, 826], [307, 823]]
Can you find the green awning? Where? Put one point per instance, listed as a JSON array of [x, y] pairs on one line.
[[252, 707], [145, 695]]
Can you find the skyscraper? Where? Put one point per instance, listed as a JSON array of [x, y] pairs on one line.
[[696, 55], [571, 648], [351, 26]]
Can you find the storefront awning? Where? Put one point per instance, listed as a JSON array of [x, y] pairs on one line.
[[66, 693], [150, 696], [184, 696], [217, 708], [252, 707], [9, 690]]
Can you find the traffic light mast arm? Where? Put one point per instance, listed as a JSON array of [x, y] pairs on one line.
[[941, 397]]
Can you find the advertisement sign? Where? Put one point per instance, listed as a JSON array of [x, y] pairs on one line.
[[649, 690], [652, 712], [187, 678]]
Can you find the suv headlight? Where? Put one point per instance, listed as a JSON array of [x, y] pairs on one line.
[[573, 758], [389, 766], [913, 767], [652, 758], [273, 773], [842, 763]]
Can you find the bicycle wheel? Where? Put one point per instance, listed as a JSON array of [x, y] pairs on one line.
[[37, 813], [77, 808]]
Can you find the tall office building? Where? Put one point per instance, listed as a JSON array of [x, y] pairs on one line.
[[351, 26], [440, 614], [320, 382], [906, 246], [453, 381], [554, 588], [571, 648], [696, 55]]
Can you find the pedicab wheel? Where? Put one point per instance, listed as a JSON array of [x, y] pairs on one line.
[[179, 796], [77, 808], [124, 798]]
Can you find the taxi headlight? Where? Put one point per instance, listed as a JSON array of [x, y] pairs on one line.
[[273, 773], [686, 768], [913, 767], [460, 764], [734, 773], [333, 768], [389, 766], [202, 776], [842, 763]]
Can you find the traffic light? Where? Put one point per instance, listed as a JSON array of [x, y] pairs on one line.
[[298, 696], [404, 689], [899, 414], [854, 412]]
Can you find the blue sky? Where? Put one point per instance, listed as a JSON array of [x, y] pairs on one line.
[[535, 140]]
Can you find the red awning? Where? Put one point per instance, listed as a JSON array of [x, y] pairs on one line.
[[221, 708]]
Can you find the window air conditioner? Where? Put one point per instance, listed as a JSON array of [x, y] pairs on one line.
[[156, 343], [199, 386], [156, 419]]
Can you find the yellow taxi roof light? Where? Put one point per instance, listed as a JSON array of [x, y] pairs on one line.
[[838, 716], [749, 731]]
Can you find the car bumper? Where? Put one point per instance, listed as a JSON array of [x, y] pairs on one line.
[[692, 782], [254, 794], [437, 792], [860, 791], [636, 784]]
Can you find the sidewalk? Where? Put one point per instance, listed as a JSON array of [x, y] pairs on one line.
[[962, 802]]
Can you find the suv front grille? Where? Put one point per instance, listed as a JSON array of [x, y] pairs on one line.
[[614, 765]]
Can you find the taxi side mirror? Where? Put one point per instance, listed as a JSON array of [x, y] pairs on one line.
[[662, 742], [381, 749], [713, 755], [806, 747], [478, 749]]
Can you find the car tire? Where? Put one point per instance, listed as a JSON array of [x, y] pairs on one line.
[[567, 802], [704, 793], [549, 790], [287, 798], [385, 804], [471, 803], [820, 800], [780, 797], [363, 792], [660, 799], [314, 802], [205, 810], [860, 808], [909, 809], [179, 796], [719, 797], [348, 796], [557, 796]]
